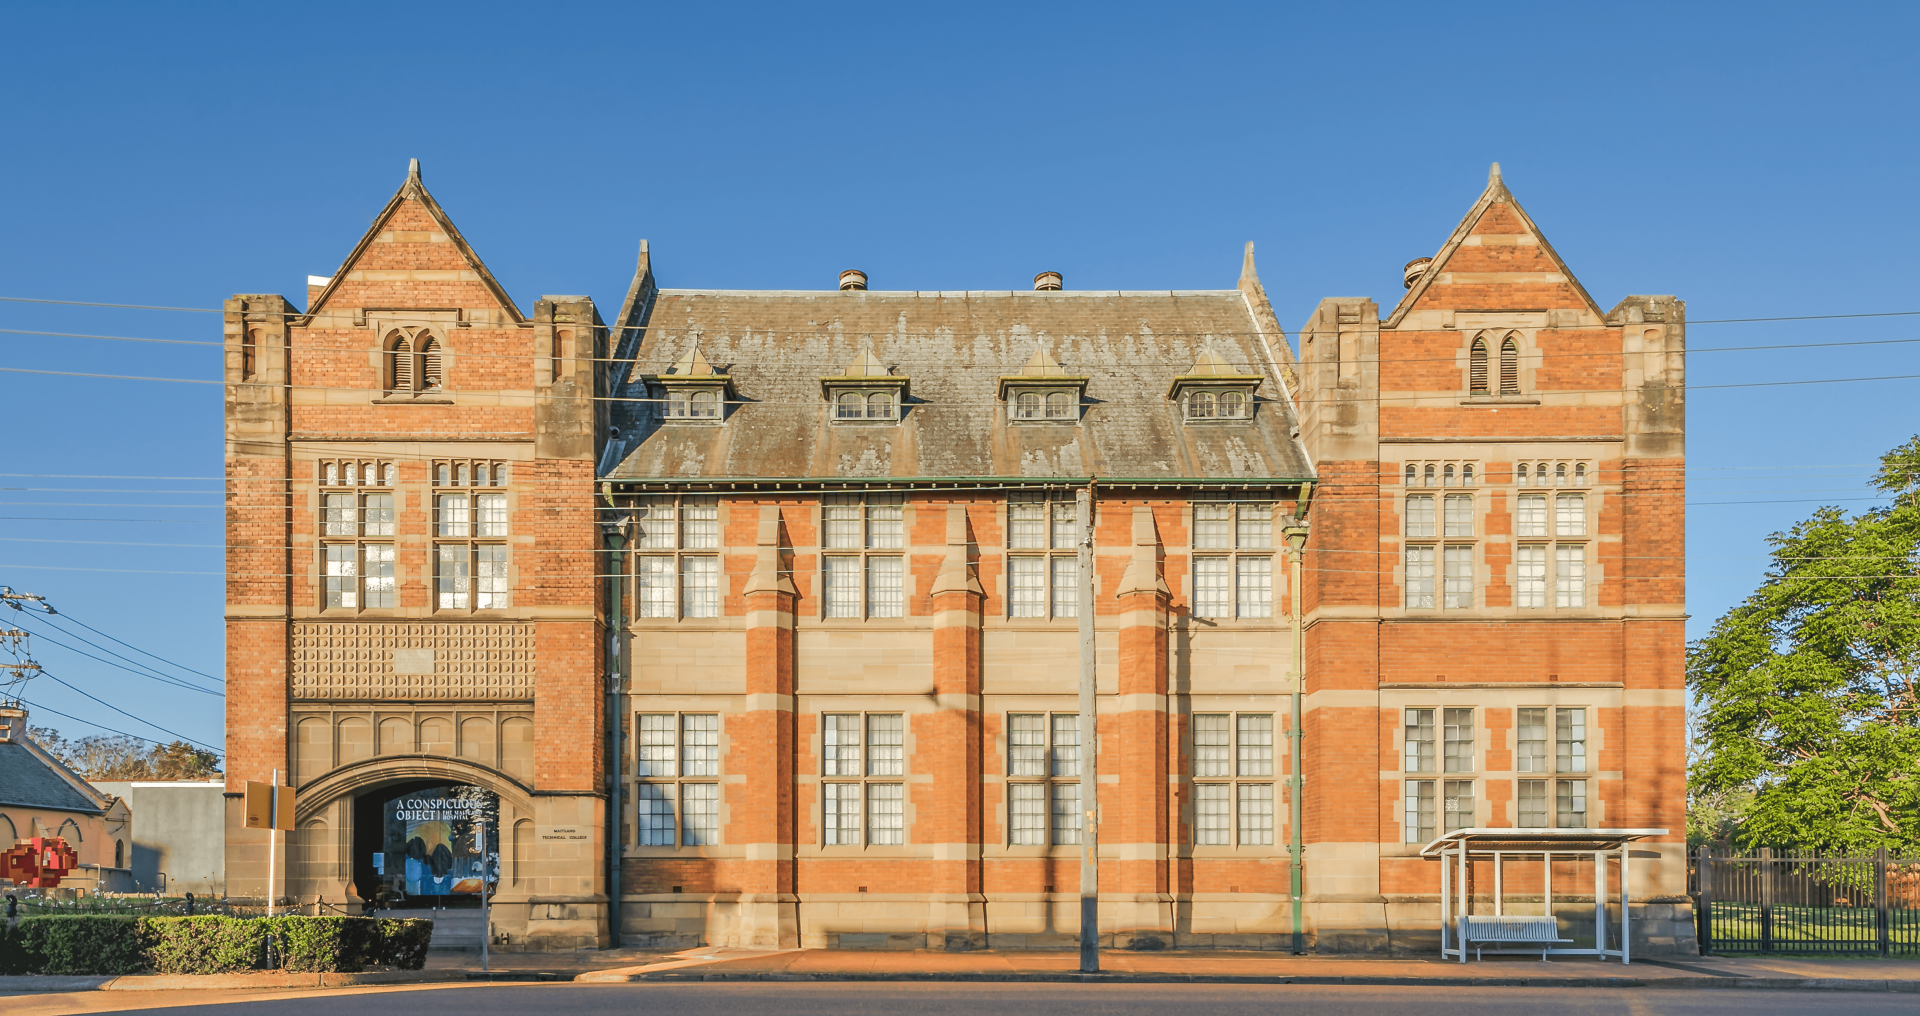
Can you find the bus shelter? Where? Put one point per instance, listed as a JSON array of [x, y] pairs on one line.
[[1457, 849]]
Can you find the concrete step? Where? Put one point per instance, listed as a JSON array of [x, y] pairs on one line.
[[452, 929]]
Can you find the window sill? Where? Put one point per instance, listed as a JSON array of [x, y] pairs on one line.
[[1495, 400], [1009, 852], [1213, 420], [688, 421], [1200, 852], [837, 850], [436, 398], [863, 422], [1056, 422]]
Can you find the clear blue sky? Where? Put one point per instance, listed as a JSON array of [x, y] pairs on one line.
[[1756, 161]]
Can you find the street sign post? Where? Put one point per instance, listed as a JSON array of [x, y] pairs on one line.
[[270, 807]]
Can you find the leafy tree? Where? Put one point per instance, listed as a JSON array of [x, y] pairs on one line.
[[1806, 696], [118, 757]]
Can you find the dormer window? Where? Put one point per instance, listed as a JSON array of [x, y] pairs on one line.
[[855, 406], [1214, 391], [1042, 392], [1222, 405], [699, 404], [867, 393], [694, 391]]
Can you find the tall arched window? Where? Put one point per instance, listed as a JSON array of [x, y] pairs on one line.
[[249, 347], [522, 851], [400, 364], [430, 376], [1509, 367], [1477, 368], [119, 853]]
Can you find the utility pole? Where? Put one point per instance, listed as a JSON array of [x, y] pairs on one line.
[[1296, 540], [1089, 748], [15, 675]]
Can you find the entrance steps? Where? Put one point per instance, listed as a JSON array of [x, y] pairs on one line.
[[455, 930]]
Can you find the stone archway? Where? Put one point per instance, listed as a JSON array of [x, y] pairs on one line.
[[326, 816]]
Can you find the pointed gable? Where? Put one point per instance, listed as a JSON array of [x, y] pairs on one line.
[[414, 257], [1042, 364], [1497, 259], [693, 364]]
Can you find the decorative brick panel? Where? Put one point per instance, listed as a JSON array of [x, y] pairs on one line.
[[469, 662]]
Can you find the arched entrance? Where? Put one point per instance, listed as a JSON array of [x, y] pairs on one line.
[[398, 831]]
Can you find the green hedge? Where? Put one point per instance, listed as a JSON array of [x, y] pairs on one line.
[[107, 945]]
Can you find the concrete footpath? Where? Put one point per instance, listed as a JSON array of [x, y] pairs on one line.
[[822, 965]]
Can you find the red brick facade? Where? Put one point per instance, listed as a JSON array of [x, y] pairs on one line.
[[747, 817]]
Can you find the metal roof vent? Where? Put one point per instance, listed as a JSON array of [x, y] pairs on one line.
[[853, 278], [1046, 282], [1415, 268]]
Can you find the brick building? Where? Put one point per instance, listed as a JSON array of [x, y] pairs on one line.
[[837, 643]]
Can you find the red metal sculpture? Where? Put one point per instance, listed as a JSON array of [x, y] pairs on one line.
[[40, 862]]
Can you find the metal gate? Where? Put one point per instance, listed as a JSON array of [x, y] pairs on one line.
[[1762, 903]]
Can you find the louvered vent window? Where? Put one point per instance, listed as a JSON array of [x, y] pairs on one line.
[[1509, 368], [1477, 368], [402, 365], [430, 372]]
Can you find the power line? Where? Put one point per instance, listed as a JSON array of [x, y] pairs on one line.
[[921, 407], [1102, 370], [424, 458], [128, 715], [164, 679], [127, 306], [1152, 292], [137, 649], [100, 726]]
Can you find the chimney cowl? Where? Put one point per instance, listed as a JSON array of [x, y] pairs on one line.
[[1047, 282], [1414, 269], [853, 278]]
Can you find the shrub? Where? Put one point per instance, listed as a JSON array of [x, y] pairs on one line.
[[202, 945], [327, 944], [114, 945], [403, 942], [92, 944], [17, 955]]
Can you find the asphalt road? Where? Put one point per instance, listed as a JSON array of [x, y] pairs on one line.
[[977, 1000]]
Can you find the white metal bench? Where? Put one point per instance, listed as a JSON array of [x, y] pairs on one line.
[[1479, 930]]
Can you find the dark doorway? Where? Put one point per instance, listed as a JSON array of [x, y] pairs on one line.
[[413, 845]]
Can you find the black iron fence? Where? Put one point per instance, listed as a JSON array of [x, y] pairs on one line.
[[1760, 903]]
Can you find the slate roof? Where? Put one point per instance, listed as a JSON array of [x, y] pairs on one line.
[[27, 781], [953, 348]]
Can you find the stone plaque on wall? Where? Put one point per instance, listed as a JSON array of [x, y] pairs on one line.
[[412, 662]]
